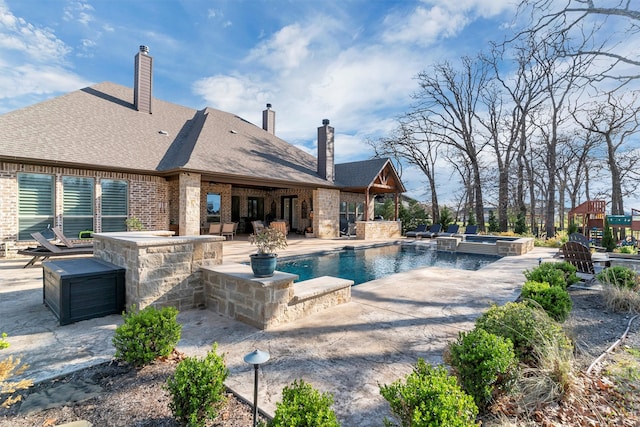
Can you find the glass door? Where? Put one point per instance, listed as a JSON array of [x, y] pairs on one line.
[[290, 211]]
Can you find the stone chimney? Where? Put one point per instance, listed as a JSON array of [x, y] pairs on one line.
[[326, 166], [143, 79], [269, 120]]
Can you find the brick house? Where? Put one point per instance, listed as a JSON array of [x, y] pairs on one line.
[[92, 158]]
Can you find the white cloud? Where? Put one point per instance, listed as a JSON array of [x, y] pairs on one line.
[[32, 79], [287, 49], [424, 26], [18, 37], [78, 11]]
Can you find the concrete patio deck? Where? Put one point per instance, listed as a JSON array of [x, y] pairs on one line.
[[347, 350]]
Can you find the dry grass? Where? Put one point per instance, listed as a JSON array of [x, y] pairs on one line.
[[621, 300]]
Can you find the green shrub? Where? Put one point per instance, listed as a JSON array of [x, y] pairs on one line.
[[197, 389], [553, 299], [529, 329], [304, 406], [619, 276], [146, 335], [626, 249], [569, 271], [429, 397], [551, 273], [483, 362]]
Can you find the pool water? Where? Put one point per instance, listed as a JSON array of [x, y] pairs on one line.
[[364, 265]]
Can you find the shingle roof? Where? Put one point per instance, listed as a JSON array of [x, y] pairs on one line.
[[362, 174], [98, 127]]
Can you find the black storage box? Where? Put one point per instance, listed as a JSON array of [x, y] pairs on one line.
[[83, 288]]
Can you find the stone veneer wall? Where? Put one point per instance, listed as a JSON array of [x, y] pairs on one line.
[[326, 205], [515, 247], [501, 248], [233, 291], [160, 271], [372, 230], [148, 199]]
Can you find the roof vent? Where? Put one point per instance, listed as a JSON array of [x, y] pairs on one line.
[[163, 132], [325, 121]]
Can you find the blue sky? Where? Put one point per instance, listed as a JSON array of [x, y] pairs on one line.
[[353, 62]]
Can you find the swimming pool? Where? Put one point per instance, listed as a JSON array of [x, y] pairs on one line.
[[364, 265]]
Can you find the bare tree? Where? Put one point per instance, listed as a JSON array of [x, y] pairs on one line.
[[508, 115], [614, 119], [448, 99], [413, 142], [578, 165], [600, 28]]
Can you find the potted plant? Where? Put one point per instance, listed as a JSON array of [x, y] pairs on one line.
[[268, 240]]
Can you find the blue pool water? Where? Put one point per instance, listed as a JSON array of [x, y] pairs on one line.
[[364, 265]]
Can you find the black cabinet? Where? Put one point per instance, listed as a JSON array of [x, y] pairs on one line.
[[83, 288]]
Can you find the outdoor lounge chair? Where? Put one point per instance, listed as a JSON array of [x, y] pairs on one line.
[[471, 229], [48, 249], [433, 232], [580, 238], [451, 230], [68, 243], [580, 257], [421, 228]]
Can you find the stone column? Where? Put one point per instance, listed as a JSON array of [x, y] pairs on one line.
[[326, 213], [189, 188]]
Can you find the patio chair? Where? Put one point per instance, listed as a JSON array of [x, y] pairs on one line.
[[281, 226], [228, 230], [215, 228], [451, 230], [580, 257], [432, 233], [421, 228], [258, 226], [68, 243]]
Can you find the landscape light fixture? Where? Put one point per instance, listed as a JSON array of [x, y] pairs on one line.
[[256, 358]]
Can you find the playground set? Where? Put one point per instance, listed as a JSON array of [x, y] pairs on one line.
[[590, 216]]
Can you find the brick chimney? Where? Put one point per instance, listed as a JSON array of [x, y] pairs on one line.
[[269, 120], [326, 167], [143, 79]]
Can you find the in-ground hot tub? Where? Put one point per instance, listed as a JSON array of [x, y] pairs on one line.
[[479, 238], [486, 244]]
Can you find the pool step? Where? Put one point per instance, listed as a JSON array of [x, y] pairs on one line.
[[314, 288], [314, 295]]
